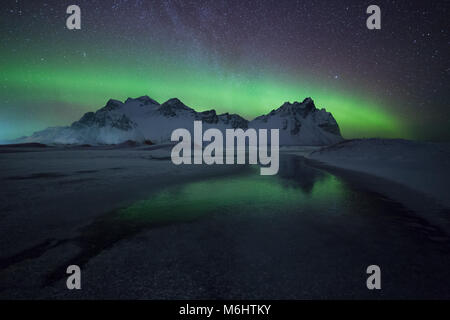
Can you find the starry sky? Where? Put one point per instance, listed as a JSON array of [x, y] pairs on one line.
[[237, 56]]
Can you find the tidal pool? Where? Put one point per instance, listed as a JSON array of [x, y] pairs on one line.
[[248, 192]]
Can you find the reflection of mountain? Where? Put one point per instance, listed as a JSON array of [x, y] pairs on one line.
[[145, 119], [243, 193], [296, 174]]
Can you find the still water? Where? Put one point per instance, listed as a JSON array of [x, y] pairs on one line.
[[304, 233]]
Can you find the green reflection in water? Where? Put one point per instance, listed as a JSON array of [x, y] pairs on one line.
[[248, 193]]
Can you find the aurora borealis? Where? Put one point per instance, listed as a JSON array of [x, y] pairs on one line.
[[244, 57]]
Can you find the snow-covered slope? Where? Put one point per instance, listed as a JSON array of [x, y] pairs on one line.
[[145, 119], [422, 166]]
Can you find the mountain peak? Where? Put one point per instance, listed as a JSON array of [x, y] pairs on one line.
[[174, 102], [146, 100], [302, 108], [113, 104], [301, 123], [171, 106], [309, 102]]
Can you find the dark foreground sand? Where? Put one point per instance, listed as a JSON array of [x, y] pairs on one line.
[[60, 207]]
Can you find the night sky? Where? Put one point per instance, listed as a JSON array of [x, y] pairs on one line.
[[245, 57]]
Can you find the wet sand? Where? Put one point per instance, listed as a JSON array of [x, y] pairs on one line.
[[142, 228]]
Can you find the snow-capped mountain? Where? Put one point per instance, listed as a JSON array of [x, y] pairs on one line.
[[301, 124], [144, 119]]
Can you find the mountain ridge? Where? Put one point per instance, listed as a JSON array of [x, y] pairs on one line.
[[145, 119]]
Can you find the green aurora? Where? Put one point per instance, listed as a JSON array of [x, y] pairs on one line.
[[192, 201], [391, 84], [85, 84]]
